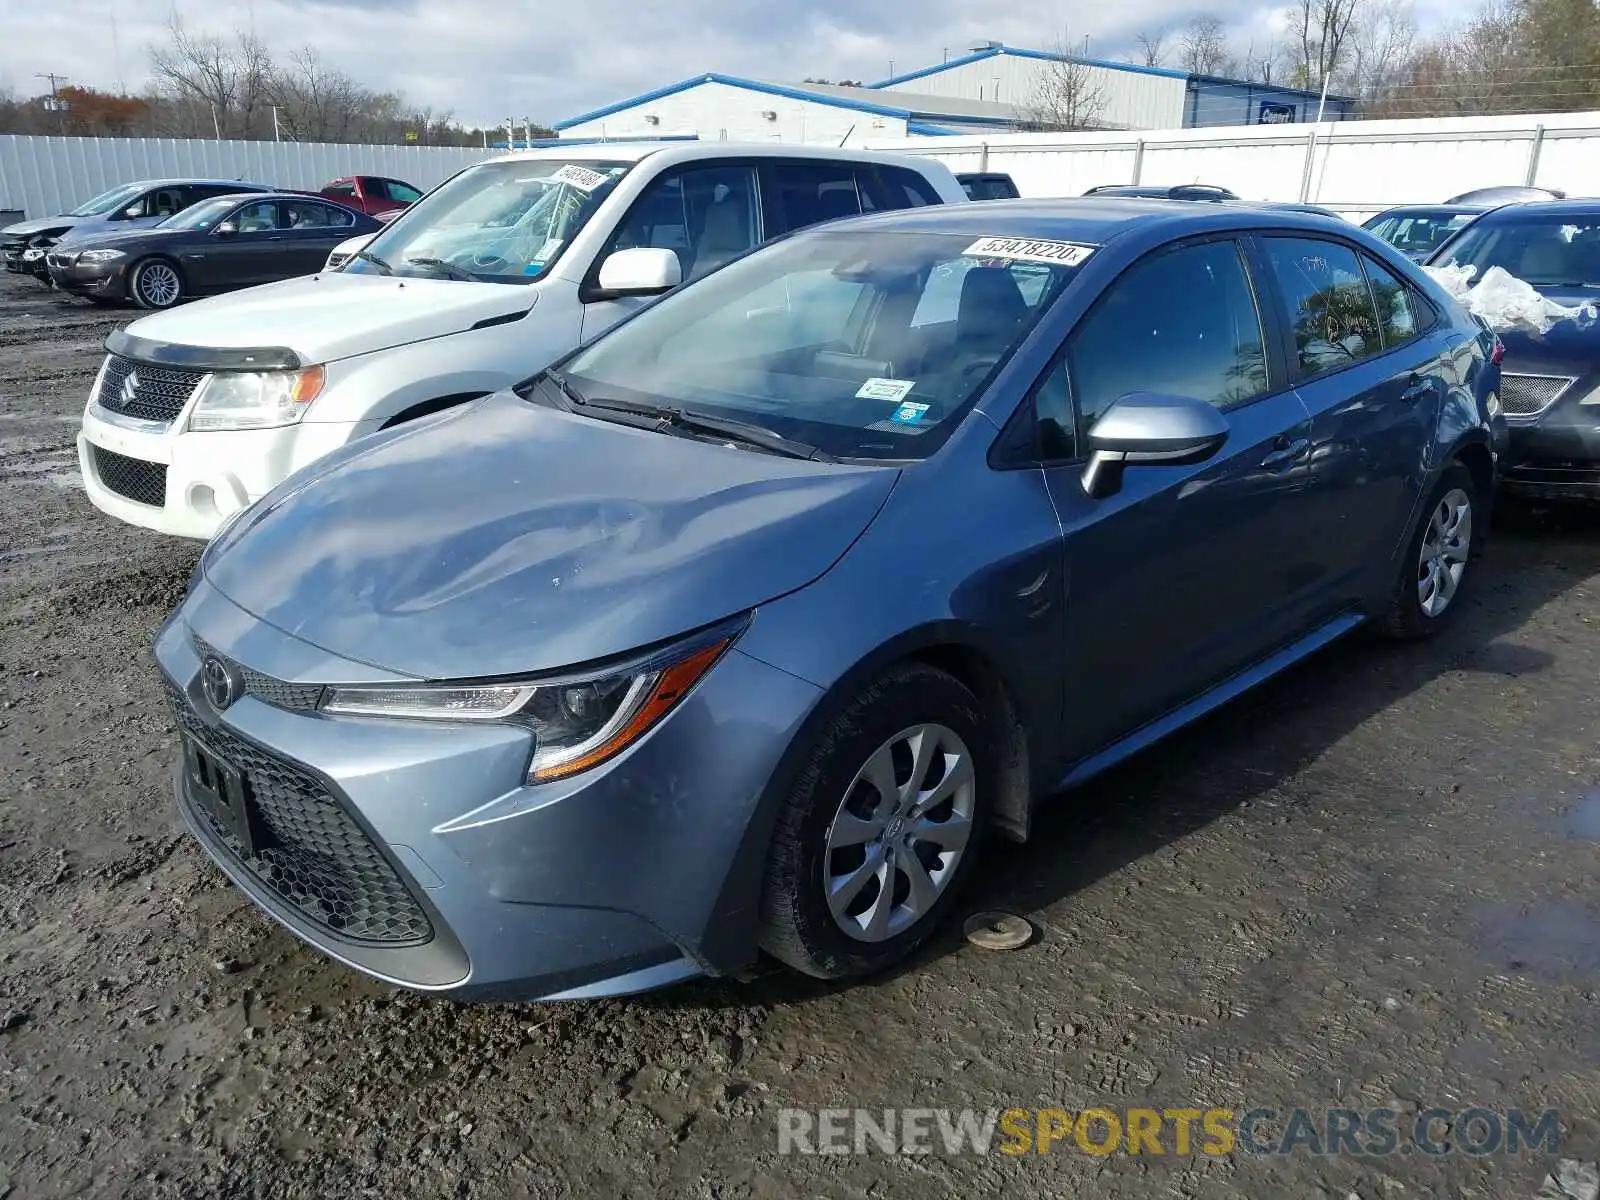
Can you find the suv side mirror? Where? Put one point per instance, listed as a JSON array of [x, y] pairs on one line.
[[226, 228], [641, 271], [1145, 427]]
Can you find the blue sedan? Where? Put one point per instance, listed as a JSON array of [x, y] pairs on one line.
[[741, 628]]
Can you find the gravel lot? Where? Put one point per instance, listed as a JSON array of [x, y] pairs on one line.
[[1372, 882]]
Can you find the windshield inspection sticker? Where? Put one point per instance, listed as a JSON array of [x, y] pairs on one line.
[[909, 413], [885, 389], [581, 178], [1063, 254]]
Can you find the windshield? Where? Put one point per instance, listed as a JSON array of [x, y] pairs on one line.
[[109, 201], [200, 216], [865, 345], [503, 222], [1557, 251], [1420, 233]]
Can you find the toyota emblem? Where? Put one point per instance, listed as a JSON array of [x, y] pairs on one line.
[[218, 683]]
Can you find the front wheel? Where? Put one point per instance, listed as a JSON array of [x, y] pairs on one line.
[[882, 827], [1434, 569], [155, 283]]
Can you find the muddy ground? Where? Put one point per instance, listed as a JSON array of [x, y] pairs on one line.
[[1371, 883]]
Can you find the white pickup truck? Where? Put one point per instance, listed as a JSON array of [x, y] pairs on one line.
[[201, 410]]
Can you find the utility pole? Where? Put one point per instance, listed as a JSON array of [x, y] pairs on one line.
[[276, 135], [56, 104]]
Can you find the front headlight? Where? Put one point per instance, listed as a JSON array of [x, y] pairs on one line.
[[98, 256], [578, 722], [255, 399]]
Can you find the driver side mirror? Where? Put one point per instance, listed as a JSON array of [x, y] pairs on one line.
[[133, 212], [641, 271], [1146, 427], [226, 228]]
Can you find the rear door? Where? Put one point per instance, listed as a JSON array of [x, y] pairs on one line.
[[312, 230], [1188, 573], [1372, 364]]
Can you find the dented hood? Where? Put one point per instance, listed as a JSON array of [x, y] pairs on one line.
[[506, 538]]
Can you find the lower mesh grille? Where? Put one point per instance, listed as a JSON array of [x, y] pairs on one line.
[[133, 478], [312, 855], [1529, 395]]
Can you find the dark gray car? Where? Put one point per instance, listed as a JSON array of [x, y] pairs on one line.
[[742, 627]]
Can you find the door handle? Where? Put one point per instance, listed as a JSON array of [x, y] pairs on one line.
[[1286, 455], [1417, 389]]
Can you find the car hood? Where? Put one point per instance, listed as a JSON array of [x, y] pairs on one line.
[[1566, 348], [507, 537], [39, 225], [96, 237], [333, 315]]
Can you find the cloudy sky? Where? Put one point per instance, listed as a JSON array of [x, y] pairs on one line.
[[486, 60]]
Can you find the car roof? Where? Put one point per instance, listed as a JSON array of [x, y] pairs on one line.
[[242, 184], [674, 152], [1504, 213], [1419, 209], [1093, 220]]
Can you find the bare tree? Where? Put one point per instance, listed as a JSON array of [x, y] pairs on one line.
[[315, 103], [1067, 96], [1152, 48], [1263, 64], [1203, 47], [1321, 30], [227, 78], [1382, 40]]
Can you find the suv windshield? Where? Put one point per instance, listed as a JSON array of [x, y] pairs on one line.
[[200, 216], [108, 201], [865, 345], [1419, 233], [1553, 251], [501, 222]]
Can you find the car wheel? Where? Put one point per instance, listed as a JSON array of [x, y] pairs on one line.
[[881, 828], [1427, 591], [156, 283]]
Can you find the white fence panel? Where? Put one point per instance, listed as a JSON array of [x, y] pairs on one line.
[[1355, 167], [45, 175]]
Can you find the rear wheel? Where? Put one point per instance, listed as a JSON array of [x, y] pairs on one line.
[[1434, 569], [881, 830], [156, 283]]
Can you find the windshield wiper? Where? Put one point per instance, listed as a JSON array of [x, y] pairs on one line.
[[668, 417], [439, 264], [375, 261]]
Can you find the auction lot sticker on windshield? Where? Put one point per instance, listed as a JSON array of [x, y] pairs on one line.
[[1064, 254], [885, 389], [581, 178]]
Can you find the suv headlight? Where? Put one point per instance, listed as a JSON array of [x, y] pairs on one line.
[[578, 722], [255, 399]]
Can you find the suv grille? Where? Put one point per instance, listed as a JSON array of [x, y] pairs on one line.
[[147, 392], [302, 697], [312, 855], [1530, 395], [133, 478]]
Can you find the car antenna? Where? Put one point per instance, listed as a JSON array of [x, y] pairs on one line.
[[847, 134]]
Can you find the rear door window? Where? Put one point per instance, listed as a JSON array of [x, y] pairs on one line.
[[309, 215], [1331, 316], [809, 193], [1182, 322]]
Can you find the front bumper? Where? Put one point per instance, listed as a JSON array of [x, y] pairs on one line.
[[629, 876], [102, 280], [1556, 456], [163, 477]]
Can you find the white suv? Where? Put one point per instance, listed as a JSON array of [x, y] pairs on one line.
[[201, 410]]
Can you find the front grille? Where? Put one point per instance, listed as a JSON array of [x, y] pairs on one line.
[[145, 482], [144, 391], [302, 697], [311, 853], [1530, 395]]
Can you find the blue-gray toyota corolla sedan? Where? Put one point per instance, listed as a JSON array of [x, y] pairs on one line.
[[738, 630]]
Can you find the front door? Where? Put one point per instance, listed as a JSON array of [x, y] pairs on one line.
[[243, 257], [1187, 574]]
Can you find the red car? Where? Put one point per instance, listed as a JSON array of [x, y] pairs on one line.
[[371, 194]]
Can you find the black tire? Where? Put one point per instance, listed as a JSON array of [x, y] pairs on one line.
[[142, 278], [797, 927], [1405, 618]]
